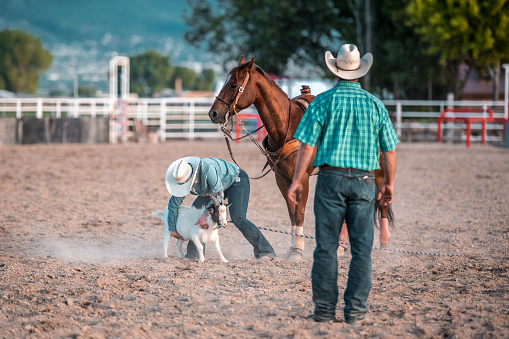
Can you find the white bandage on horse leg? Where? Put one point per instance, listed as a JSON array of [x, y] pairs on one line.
[[384, 231], [297, 242]]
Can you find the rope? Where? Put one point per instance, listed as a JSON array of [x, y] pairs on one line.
[[374, 247]]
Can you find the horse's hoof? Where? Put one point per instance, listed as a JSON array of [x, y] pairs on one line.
[[342, 249], [384, 245], [295, 254]]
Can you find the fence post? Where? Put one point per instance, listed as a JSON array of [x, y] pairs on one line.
[[484, 131], [439, 133], [145, 112], [39, 109], [113, 122], [450, 125], [19, 113], [469, 132], [162, 120], [191, 120], [58, 113], [76, 113], [398, 119], [506, 105]]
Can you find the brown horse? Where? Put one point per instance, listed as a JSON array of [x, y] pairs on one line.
[[246, 85]]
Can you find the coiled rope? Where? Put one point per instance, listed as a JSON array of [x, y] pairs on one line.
[[375, 247]]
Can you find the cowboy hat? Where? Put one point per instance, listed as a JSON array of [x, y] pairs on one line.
[[180, 176], [349, 65]]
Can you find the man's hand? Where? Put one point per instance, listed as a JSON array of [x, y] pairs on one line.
[[203, 221], [295, 192], [386, 191], [385, 195], [176, 234]]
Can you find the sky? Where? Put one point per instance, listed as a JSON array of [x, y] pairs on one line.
[[67, 20], [83, 35]]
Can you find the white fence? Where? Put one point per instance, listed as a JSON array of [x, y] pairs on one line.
[[188, 117]]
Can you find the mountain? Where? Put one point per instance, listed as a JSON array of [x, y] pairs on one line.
[[83, 35]]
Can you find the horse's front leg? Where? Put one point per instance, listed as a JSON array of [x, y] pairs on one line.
[[296, 214]]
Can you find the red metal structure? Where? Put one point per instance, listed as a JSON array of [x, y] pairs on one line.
[[247, 116], [485, 116]]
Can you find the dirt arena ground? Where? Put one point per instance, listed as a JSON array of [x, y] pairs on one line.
[[81, 253]]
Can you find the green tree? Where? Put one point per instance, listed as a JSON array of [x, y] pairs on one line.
[[87, 92], [470, 32], [273, 31], [150, 72], [205, 81], [59, 93], [188, 77], [22, 60], [401, 65]]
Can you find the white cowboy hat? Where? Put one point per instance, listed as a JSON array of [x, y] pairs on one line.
[[180, 176], [349, 65]]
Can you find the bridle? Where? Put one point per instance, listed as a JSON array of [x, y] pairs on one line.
[[231, 108]]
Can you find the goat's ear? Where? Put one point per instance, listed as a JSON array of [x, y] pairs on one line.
[[229, 204]]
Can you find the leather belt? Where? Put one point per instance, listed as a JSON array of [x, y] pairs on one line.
[[325, 166]]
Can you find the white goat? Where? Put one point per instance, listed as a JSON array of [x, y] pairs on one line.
[[187, 218]]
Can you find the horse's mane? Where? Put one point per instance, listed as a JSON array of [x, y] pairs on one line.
[[267, 77], [271, 82]]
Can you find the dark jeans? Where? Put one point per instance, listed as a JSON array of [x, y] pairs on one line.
[[343, 195], [238, 197]]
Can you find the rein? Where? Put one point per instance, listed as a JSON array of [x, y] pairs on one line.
[[250, 135], [227, 134]]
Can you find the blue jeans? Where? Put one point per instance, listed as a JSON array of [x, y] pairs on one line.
[[343, 195], [238, 196]]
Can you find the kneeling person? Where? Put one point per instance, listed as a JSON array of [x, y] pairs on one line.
[[213, 177]]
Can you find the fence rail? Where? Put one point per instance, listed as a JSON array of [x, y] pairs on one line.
[[188, 117]]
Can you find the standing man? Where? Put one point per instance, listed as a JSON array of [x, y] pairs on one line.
[[348, 126]]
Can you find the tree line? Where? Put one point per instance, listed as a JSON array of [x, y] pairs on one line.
[[23, 59], [152, 72], [422, 48]]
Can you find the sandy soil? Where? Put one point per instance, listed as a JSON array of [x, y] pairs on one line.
[[81, 253]]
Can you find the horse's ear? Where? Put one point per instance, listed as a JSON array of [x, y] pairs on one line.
[[242, 60], [251, 63]]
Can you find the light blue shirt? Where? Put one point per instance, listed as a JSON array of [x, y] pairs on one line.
[[212, 178]]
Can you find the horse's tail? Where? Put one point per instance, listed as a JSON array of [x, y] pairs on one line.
[[379, 213]]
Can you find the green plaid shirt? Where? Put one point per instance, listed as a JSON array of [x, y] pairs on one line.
[[349, 125]]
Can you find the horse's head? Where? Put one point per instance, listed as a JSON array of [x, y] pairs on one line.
[[236, 93]]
